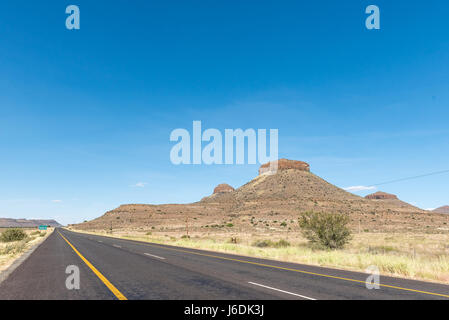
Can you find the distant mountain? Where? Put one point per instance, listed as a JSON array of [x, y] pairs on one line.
[[392, 200], [25, 223], [381, 196], [444, 209]]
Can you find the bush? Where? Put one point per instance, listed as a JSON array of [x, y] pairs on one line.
[[13, 248], [263, 243], [268, 243], [282, 244], [11, 235], [328, 230]]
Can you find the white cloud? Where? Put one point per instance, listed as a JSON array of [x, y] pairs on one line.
[[139, 185], [56, 201], [359, 188], [430, 209]]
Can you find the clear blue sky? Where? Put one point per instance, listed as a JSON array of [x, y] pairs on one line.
[[86, 115]]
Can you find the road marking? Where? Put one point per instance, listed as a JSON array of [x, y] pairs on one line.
[[294, 270], [283, 291], [282, 268], [108, 284], [152, 255], [117, 246], [100, 241]]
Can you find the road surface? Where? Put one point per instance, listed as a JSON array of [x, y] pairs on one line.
[[124, 269]]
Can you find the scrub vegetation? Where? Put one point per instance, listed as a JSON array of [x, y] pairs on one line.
[[16, 241]]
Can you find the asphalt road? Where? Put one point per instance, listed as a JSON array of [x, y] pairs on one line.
[[123, 269]]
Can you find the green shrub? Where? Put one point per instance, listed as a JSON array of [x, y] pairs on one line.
[[38, 233], [13, 248], [263, 243], [282, 244], [328, 230], [271, 244], [11, 235]]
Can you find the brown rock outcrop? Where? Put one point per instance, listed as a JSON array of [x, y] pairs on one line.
[[443, 209], [284, 164], [223, 188], [381, 196]]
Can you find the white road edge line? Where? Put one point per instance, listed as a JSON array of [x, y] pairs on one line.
[[116, 246], [294, 294], [152, 255]]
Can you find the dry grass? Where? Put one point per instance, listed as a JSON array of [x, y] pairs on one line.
[[414, 256], [10, 251]]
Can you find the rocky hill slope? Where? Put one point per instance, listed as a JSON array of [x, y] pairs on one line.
[[272, 201], [387, 199]]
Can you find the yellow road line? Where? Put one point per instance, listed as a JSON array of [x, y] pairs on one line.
[[108, 284], [276, 267], [295, 270]]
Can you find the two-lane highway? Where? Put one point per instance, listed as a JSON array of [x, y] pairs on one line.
[[123, 269]]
